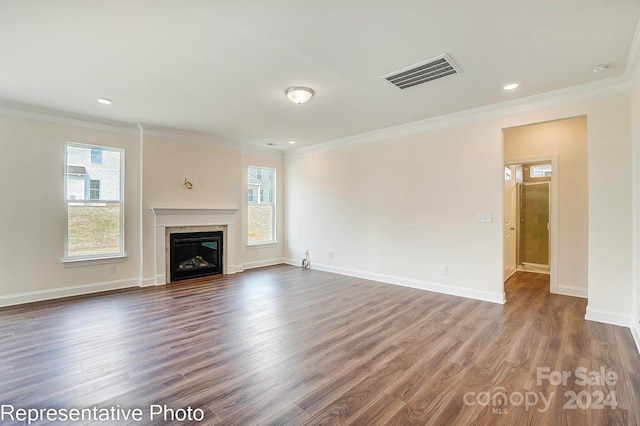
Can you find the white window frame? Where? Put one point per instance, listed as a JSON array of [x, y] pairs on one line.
[[274, 239], [121, 253]]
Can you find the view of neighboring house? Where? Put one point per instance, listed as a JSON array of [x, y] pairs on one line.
[[260, 186], [92, 174]]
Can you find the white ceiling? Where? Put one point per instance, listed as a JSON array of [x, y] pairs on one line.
[[221, 67]]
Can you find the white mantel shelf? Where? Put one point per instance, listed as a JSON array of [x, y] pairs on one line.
[[166, 217]]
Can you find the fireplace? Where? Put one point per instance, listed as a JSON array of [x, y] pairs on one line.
[[169, 221], [195, 254]]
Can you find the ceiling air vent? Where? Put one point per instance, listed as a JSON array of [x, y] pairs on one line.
[[422, 72]]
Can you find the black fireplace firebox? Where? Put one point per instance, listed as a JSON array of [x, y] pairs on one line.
[[195, 254]]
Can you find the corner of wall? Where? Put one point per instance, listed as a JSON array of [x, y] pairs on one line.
[[635, 332], [607, 317]]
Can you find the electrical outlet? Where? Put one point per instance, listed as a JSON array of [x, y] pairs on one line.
[[111, 269], [484, 217], [330, 255], [443, 269]]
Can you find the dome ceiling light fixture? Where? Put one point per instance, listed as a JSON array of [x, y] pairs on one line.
[[299, 95]]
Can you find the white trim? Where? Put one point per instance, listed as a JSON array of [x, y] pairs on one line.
[[292, 262], [609, 87], [79, 290], [191, 137], [175, 217], [121, 202], [635, 332], [632, 66], [263, 263], [554, 262], [262, 152], [140, 206], [468, 293], [568, 290], [148, 282], [32, 112], [607, 317]]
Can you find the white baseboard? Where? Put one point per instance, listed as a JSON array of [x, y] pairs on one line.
[[293, 262], [57, 293], [262, 263], [607, 317], [567, 290], [635, 332], [147, 282], [409, 282]]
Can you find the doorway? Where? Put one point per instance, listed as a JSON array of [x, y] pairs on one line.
[[563, 145], [527, 218]]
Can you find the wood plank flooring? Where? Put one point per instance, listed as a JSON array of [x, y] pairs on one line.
[[286, 346]]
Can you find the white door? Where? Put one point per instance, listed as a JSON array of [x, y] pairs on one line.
[[509, 221]]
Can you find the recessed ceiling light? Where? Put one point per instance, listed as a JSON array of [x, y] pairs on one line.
[[511, 86], [299, 95], [105, 101], [292, 142], [601, 68]]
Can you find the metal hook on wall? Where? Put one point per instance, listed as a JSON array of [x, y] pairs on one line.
[[187, 184]]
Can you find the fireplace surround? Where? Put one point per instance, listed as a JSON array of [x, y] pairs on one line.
[[168, 221]]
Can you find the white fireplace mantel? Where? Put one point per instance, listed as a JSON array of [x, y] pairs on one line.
[[175, 217]]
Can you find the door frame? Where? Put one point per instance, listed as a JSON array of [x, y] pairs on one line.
[[553, 217]]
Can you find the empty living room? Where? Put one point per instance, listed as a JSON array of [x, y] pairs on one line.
[[311, 213]]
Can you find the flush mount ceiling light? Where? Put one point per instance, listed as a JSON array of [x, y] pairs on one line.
[[511, 86], [105, 101], [601, 68], [292, 142], [299, 95]]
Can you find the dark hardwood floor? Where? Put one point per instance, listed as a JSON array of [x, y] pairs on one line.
[[287, 346]]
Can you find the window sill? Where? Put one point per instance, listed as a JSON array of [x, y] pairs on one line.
[[76, 263], [267, 243]]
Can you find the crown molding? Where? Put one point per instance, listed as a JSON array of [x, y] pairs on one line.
[[20, 110], [262, 152], [189, 136], [632, 67], [602, 88]]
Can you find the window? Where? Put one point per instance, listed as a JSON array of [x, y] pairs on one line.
[[94, 189], [261, 215], [96, 156], [94, 200], [541, 170], [250, 198]]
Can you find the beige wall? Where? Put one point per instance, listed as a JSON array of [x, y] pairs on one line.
[[566, 139], [214, 168], [401, 205], [33, 209], [399, 208]]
